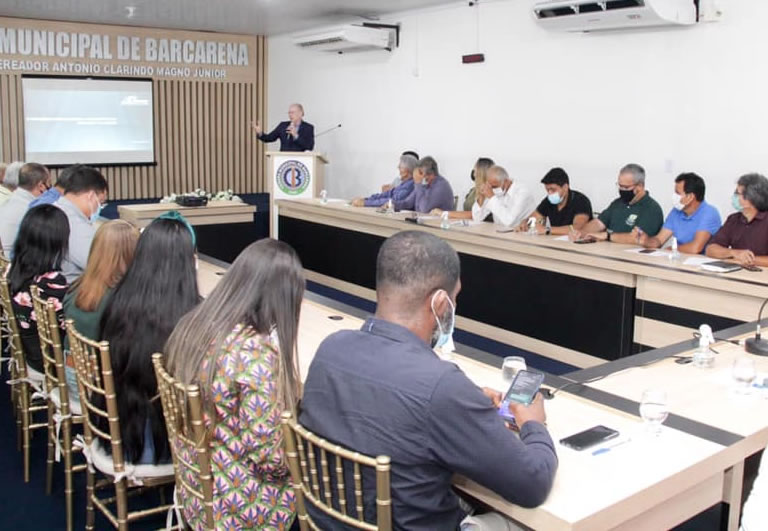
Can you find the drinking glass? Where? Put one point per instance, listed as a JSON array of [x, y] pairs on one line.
[[654, 410], [744, 374], [510, 367]]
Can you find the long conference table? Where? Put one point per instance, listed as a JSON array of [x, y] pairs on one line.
[[648, 483], [578, 304]]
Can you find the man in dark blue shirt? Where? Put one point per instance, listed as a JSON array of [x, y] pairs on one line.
[[383, 391], [294, 135]]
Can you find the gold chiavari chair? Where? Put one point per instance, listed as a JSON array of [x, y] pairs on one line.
[[190, 443], [24, 380], [99, 404], [5, 338], [62, 412], [301, 448]]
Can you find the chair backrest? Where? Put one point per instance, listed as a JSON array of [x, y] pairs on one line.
[[50, 347], [188, 437], [302, 448], [17, 349], [97, 393]]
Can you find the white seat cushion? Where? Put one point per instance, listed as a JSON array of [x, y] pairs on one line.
[[102, 461], [35, 376]]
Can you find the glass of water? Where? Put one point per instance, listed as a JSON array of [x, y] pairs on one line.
[[654, 410], [511, 366], [744, 374]]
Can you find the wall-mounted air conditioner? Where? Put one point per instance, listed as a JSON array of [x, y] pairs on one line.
[[591, 15], [349, 39]]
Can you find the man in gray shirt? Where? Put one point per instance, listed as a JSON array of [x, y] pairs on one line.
[[34, 179], [381, 390], [431, 190], [84, 196]]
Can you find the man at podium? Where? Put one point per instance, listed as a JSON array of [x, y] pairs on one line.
[[294, 135]]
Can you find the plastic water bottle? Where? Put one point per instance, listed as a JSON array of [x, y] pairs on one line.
[[674, 254], [704, 358], [532, 227], [390, 207], [324, 197], [444, 223]]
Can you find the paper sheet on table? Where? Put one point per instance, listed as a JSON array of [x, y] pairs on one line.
[[698, 260], [561, 239], [640, 250]]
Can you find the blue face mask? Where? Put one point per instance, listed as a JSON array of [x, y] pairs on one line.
[[444, 332], [554, 198], [95, 215], [736, 203]]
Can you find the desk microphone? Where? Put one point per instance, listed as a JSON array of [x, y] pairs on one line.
[[757, 345]]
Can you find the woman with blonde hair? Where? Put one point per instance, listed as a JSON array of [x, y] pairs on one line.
[[111, 254], [478, 177], [239, 345]]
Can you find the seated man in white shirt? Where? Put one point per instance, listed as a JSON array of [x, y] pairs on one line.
[[509, 201]]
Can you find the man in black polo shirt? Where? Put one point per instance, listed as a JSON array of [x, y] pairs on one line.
[[566, 209], [634, 208], [744, 236]]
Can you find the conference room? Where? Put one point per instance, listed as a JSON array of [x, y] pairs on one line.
[[356, 264]]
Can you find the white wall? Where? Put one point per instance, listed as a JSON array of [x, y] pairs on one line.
[[672, 100]]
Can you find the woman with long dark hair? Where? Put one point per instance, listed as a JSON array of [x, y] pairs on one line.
[[158, 288], [40, 247], [239, 345]]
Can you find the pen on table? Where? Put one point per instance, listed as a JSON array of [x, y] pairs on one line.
[[609, 447]]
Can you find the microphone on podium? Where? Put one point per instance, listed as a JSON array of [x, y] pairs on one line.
[[321, 133]]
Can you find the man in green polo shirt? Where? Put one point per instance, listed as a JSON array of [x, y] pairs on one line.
[[633, 208]]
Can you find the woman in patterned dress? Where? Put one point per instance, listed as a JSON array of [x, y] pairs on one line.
[[239, 345], [37, 254]]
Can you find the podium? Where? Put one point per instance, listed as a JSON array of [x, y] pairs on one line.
[[293, 175]]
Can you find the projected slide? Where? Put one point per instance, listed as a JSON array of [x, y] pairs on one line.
[[88, 121]]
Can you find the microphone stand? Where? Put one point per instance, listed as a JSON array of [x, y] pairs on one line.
[[756, 345]]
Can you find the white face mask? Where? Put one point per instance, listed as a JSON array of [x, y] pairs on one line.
[[498, 192], [677, 202]]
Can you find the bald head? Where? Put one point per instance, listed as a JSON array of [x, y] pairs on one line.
[[295, 112], [411, 266]]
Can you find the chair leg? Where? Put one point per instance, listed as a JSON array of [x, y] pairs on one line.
[[90, 516], [19, 414], [67, 451], [25, 422], [51, 448], [121, 493]]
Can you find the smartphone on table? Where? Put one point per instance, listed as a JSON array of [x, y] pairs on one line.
[[588, 438], [522, 391]]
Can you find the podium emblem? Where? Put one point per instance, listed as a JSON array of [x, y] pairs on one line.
[[292, 177]]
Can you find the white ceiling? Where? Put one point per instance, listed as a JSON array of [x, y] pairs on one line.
[[256, 17]]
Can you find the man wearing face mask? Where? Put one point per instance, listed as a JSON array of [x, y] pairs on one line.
[[565, 209], [692, 221], [33, 180], [509, 201], [382, 390], [633, 208], [744, 235], [84, 196], [430, 189]]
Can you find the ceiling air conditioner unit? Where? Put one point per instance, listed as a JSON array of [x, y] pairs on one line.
[[348, 39], [591, 15]]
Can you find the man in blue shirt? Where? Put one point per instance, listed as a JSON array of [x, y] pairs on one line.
[[430, 189], [53, 193], [692, 221], [397, 193], [382, 390]]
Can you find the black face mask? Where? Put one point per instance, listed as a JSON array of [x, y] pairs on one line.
[[627, 196]]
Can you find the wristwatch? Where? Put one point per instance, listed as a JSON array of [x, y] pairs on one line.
[[608, 233]]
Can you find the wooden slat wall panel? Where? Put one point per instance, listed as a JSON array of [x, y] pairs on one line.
[[203, 136]]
